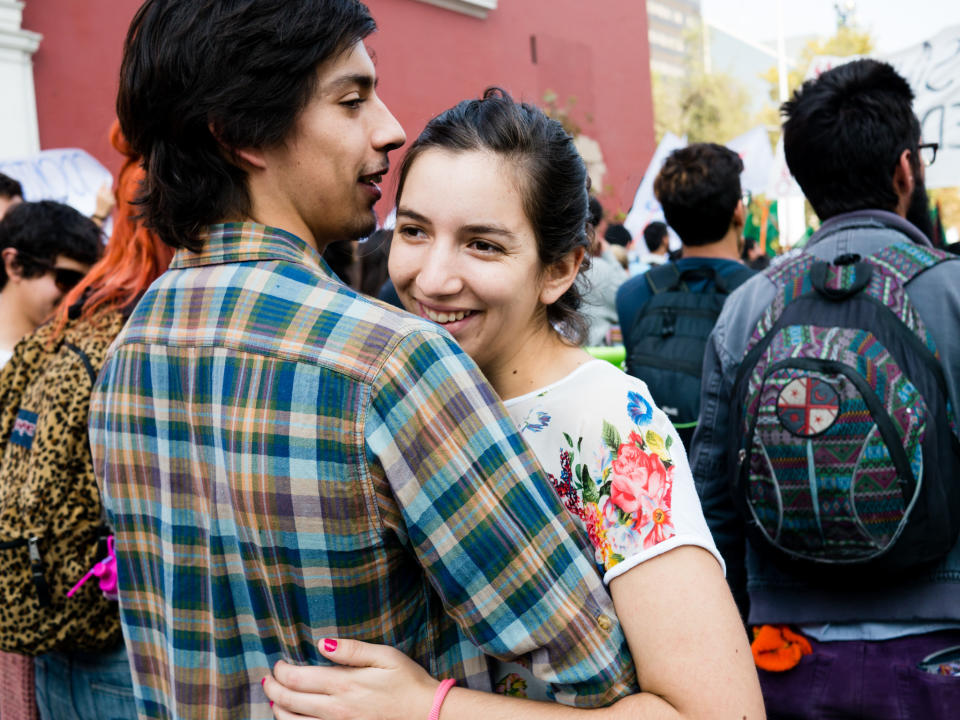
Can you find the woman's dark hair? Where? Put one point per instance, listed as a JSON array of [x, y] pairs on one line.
[[202, 77], [42, 231], [553, 178], [843, 134]]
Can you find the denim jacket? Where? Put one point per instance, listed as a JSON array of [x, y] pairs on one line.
[[773, 596]]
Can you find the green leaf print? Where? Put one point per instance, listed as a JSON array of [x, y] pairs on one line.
[[668, 442], [568, 439], [589, 489], [611, 437]]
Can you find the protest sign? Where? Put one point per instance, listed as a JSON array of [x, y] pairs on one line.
[[71, 176]]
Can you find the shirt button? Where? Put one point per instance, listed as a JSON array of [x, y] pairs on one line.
[[605, 623]]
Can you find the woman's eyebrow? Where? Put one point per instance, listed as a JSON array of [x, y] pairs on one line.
[[488, 229]]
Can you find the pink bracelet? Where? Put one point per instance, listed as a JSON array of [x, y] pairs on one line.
[[439, 696]]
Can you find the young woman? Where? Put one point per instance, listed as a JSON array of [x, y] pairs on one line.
[[490, 236]]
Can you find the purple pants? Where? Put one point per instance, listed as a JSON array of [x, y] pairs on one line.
[[869, 680]]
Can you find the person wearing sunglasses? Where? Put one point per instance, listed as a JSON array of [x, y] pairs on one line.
[[46, 248]]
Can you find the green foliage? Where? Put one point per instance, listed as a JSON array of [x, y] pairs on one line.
[[706, 107]]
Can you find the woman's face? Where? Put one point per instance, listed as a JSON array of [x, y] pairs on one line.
[[464, 254]]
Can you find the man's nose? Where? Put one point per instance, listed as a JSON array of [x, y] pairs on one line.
[[388, 134]]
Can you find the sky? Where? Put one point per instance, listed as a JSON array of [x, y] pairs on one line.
[[891, 26]]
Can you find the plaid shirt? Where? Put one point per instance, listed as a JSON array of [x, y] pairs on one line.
[[284, 460]]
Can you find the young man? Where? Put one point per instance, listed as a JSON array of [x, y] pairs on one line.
[[853, 144], [667, 313], [284, 460], [46, 249]]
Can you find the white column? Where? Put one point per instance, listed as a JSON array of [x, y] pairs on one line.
[[19, 132]]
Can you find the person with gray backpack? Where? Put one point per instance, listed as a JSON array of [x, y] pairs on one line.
[[827, 456]]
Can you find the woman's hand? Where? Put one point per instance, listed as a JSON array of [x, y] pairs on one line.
[[381, 683]]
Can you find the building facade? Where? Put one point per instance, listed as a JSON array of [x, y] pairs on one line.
[[672, 28], [593, 60]]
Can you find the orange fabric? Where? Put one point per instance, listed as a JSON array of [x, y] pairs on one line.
[[134, 256], [778, 648]]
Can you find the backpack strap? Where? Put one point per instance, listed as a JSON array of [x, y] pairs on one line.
[[663, 278], [905, 260], [726, 284]]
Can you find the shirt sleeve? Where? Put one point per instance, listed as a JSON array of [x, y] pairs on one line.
[[487, 527], [639, 501]]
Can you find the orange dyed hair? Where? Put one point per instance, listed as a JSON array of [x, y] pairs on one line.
[[134, 257]]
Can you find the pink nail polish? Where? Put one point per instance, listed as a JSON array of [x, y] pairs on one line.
[[329, 644], [263, 682]]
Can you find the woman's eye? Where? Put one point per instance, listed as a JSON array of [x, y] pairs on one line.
[[352, 104], [484, 247], [411, 231]]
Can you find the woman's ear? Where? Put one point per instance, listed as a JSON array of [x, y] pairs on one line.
[[559, 276]]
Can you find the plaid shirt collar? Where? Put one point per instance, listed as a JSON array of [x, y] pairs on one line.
[[247, 242]]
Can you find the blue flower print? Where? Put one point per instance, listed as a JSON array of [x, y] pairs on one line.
[[543, 419], [640, 411]]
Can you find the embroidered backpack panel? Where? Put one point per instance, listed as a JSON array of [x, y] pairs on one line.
[[844, 437]]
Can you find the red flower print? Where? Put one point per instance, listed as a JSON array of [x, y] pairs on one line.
[[635, 474]]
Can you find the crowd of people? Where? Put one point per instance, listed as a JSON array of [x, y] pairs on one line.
[[252, 467]]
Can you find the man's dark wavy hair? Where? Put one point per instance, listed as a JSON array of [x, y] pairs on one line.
[[200, 77], [10, 188], [699, 188], [843, 134], [554, 181], [42, 231]]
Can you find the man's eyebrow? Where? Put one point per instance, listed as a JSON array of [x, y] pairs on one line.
[[361, 80]]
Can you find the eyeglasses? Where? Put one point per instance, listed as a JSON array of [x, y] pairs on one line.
[[64, 278], [928, 153]]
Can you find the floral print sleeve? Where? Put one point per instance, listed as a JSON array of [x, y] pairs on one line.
[[617, 463]]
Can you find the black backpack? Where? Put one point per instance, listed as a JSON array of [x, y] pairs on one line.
[[670, 337]]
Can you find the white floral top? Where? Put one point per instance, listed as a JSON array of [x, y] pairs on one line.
[[617, 464], [619, 467]]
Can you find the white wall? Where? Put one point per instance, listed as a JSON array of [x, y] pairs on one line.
[[19, 134]]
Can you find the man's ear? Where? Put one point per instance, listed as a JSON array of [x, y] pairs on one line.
[[10, 264], [558, 277], [739, 219], [251, 156], [903, 182]]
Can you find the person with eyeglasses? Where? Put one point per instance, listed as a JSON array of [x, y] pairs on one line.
[[875, 642], [47, 248]]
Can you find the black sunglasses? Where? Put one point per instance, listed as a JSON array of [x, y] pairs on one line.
[[64, 278]]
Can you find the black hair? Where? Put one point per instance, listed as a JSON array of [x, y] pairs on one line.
[[699, 188], [617, 235], [42, 231], [9, 187], [202, 77], [553, 179], [596, 212], [843, 134], [653, 235]]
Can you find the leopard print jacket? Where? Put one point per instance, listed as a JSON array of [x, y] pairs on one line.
[[51, 524]]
